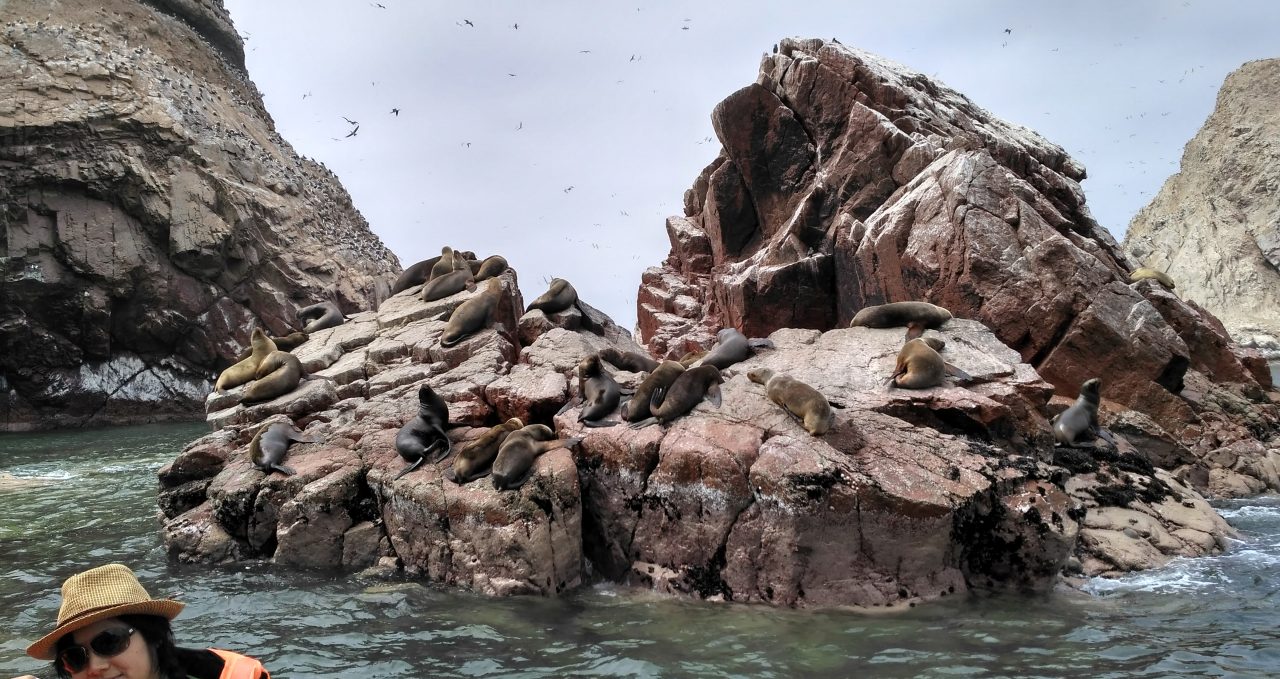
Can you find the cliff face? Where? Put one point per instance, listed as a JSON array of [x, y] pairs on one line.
[[150, 213], [1214, 227]]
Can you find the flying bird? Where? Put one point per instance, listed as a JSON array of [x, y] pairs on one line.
[[468, 22], [353, 131], [1009, 31], [520, 126], [350, 121], [515, 26], [395, 111], [568, 189]]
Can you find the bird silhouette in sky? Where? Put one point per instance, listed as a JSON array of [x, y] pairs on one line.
[[395, 111], [1009, 31], [515, 26], [350, 121], [568, 189], [353, 131], [468, 22]]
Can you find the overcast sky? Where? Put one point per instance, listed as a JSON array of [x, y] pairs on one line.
[[562, 134]]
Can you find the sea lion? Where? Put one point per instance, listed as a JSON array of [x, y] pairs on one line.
[[269, 445], [474, 459], [490, 267], [559, 297], [797, 398], [327, 314], [732, 347], [685, 392], [628, 360], [896, 314], [600, 393], [1144, 273], [286, 343], [445, 264], [278, 374], [919, 364], [424, 432], [472, 314], [692, 357], [514, 463], [448, 285], [1081, 417], [414, 275], [242, 372], [637, 408]]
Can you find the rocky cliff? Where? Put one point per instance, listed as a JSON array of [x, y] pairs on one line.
[[1214, 227], [150, 213], [846, 181]]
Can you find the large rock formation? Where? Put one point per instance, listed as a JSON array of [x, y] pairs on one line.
[[1215, 225], [846, 181], [150, 213], [913, 495]]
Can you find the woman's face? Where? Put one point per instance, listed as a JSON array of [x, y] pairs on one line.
[[134, 662]]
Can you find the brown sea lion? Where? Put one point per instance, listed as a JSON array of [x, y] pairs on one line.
[[472, 315], [897, 314], [732, 347], [797, 398], [490, 267], [424, 432], [628, 360], [685, 392], [279, 374], [559, 297], [474, 459], [244, 371], [600, 393], [514, 463], [286, 343], [637, 408], [445, 264], [1070, 425], [269, 445], [448, 285], [919, 364], [327, 315], [414, 275], [1145, 273], [692, 357]]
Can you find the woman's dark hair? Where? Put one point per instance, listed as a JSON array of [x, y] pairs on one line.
[[157, 634]]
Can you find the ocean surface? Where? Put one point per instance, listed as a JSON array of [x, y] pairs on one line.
[[88, 497]]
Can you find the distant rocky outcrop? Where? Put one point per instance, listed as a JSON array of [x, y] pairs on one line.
[[151, 214], [912, 495], [846, 180], [1214, 227]]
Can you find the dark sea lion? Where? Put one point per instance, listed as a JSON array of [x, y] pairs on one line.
[[269, 445], [559, 297], [1145, 273], [731, 347], [474, 459], [286, 343], [327, 315], [490, 267], [637, 408], [279, 374], [447, 285], [686, 392], [244, 371], [897, 314], [414, 275], [1081, 417], [424, 432], [628, 360], [445, 264], [919, 364], [797, 398], [471, 315], [514, 463], [600, 393]]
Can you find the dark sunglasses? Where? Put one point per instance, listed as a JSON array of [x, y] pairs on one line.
[[106, 644]]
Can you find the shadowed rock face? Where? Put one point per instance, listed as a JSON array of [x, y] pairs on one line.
[[1213, 227], [846, 181], [151, 214]]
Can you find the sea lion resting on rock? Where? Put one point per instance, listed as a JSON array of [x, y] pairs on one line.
[[474, 459], [919, 364], [278, 375], [517, 453], [286, 343], [448, 262], [244, 371], [732, 347], [414, 275], [490, 267], [424, 432], [600, 393], [1080, 418], [269, 445], [637, 408], [327, 315], [628, 360], [688, 389], [448, 285], [471, 315], [797, 398], [559, 297], [1145, 273], [897, 314]]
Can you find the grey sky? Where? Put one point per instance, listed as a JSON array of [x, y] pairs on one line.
[[497, 122]]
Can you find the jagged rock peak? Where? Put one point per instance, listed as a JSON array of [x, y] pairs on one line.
[[1213, 227], [151, 213]]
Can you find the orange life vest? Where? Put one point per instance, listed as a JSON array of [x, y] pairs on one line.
[[236, 666]]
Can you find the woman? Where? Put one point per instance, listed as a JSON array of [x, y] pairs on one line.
[[108, 626]]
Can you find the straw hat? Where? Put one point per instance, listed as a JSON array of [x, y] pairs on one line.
[[100, 593]]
